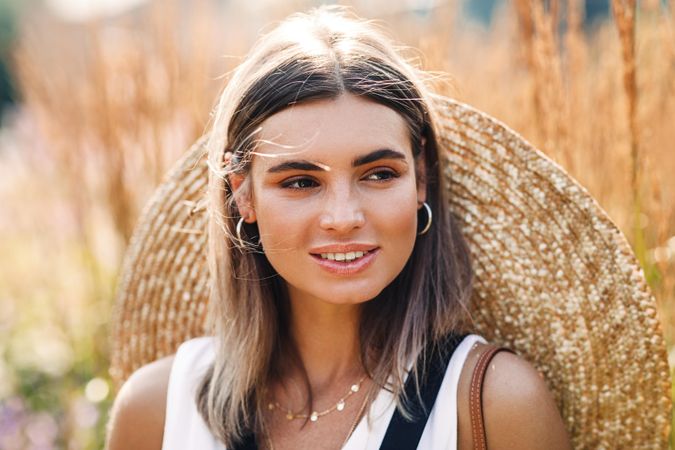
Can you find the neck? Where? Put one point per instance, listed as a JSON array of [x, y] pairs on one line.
[[327, 339]]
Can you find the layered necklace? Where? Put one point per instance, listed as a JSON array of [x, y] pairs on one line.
[[315, 415]]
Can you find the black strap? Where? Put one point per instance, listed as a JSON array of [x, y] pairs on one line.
[[248, 443], [403, 434]]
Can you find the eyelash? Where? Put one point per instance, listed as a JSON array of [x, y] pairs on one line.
[[289, 184], [390, 174]]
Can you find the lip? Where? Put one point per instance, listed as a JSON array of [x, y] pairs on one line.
[[343, 248], [347, 268]]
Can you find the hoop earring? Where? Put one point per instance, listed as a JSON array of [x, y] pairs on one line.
[[242, 243], [428, 225]]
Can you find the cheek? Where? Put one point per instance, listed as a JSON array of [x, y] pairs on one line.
[[399, 210], [394, 222], [281, 225], [401, 226]]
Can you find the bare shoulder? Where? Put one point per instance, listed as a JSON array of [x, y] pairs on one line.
[[519, 410], [137, 415]]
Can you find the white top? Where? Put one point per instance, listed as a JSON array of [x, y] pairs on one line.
[[185, 429]]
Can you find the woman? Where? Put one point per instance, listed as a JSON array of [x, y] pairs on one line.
[[337, 268]]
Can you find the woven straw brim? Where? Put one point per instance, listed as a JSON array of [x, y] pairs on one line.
[[556, 280]]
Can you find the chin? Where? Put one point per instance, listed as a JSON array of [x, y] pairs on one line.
[[349, 298]]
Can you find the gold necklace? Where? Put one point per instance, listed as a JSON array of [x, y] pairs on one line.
[[315, 415], [357, 419]]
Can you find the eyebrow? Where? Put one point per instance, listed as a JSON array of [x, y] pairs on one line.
[[384, 153], [303, 164]]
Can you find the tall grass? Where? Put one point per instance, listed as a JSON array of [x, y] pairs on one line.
[[624, 18], [107, 106]]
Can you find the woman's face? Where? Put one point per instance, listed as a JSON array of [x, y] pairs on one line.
[[335, 197]]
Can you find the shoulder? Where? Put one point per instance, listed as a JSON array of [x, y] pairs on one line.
[[518, 408], [137, 415]]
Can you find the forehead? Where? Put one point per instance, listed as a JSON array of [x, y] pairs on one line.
[[332, 129]]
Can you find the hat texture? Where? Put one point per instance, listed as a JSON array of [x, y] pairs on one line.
[[555, 280]]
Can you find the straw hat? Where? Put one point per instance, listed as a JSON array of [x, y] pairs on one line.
[[555, 280]]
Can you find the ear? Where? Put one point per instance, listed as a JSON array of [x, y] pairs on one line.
[[242, 197], [421, 174]]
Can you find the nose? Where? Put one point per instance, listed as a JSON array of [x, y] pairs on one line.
[[342, 211]]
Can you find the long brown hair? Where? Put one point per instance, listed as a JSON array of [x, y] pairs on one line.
[[320, 55]]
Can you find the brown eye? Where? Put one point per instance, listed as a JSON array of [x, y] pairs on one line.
[[382, 175], [299, 183]]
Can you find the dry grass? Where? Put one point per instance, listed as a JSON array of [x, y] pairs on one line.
[[120, 101], [624, 18], [108, 106]]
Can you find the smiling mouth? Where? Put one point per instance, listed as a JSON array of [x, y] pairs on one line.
[[344, 257], [346, 263]]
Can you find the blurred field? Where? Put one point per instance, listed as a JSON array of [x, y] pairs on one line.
[[108, 105]]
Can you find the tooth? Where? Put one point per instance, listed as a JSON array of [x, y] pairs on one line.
[[359, 254], [339, 257], [324, 255], [331, 256], [350, 255]]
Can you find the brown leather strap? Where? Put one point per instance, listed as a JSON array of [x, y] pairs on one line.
[[476, 396]]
